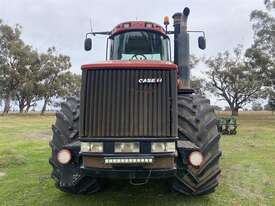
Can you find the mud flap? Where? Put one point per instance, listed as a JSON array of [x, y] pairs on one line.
[[71, 173]]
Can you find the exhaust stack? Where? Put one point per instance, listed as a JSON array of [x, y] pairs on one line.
[[181, 48]]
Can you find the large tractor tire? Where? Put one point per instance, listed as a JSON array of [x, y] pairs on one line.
[[197, 124], [69, 178]]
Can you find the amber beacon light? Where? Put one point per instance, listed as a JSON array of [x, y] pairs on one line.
[[166, 20]]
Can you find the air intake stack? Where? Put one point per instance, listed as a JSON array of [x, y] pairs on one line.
[[181, 47]]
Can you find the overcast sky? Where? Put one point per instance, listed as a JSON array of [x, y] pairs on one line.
[[63, 23]]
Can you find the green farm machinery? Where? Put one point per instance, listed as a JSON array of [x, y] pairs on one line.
[[227, 125]]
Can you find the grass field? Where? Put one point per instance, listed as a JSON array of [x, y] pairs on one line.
[[248, 169]]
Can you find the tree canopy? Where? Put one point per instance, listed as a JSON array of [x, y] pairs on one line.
[[27, 76], [234, 79], [262, 51], [242, 77]]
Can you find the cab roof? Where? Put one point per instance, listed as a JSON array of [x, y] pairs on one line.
[[138, 25]]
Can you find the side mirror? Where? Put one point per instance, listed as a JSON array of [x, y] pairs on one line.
[[88, 44], [202, 42]]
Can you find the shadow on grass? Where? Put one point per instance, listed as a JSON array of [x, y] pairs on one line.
[[120, 192]]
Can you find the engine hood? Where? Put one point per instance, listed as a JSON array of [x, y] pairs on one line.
[[131, 64]]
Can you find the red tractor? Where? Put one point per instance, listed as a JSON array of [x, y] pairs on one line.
[[137, 117]]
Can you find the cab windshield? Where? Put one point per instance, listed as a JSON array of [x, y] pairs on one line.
[[139, 45]]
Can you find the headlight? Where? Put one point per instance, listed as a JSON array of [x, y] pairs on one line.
[[85, 147], [96, 147], [170, 147], [64, 156], [126, 147], [158, 147], [196, 158], [163, 147], [92, 147]]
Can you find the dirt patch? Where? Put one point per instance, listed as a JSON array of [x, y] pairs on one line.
[[2, 174], [12, 160], [38, 135], [11, 157]]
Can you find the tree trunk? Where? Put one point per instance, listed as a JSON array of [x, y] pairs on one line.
[[7, 103], [28, 108], [21, 103], [44, 106], [235, 111], [21, 108], [29, 104]]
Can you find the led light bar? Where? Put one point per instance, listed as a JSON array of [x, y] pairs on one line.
[[134, 160]]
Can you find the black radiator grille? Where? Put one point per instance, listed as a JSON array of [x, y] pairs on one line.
[[115, 104]]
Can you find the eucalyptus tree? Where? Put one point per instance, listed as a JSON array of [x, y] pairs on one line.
[[11, 54], [233, 78], [53, 69]]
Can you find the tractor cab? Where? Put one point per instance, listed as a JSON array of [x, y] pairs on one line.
[[138, 43], [137, 40]]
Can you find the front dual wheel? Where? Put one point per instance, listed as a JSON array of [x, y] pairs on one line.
[[197, 124], [68, 177]]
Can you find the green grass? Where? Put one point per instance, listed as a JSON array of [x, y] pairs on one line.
[[248, 169]]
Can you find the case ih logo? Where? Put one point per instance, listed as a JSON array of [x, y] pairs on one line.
[[150, 81]]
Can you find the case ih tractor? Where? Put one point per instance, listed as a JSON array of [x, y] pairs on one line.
[[137, 117]]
